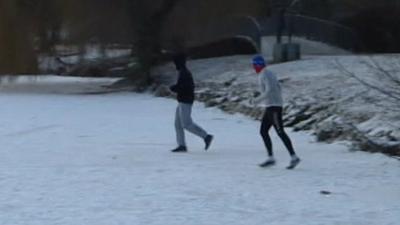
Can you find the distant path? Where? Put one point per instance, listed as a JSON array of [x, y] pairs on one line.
[[53, 84], [307, 47]]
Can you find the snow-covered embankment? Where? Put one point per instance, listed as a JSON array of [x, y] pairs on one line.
[[318, 95]]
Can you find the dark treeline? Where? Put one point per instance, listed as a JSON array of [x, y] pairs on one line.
[[376, 23], [32, 27]]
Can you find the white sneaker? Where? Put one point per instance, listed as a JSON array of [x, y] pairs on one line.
[[268, 162], [293, 163]]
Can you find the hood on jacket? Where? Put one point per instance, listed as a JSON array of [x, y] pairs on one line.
[[180, 61]]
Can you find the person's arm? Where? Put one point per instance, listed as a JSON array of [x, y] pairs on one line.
[[184, 84], [175, 88], [264, 88]]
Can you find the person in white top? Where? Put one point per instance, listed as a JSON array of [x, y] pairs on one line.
[[271, 99]]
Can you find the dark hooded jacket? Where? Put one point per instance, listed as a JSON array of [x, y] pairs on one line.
[[184, 88]]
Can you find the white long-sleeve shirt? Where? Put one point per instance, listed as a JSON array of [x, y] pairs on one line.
[[271, 94]]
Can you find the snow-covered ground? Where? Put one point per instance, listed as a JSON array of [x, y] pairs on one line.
[[69, 159]]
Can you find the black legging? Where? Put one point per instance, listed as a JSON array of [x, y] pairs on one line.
[[273, 117]]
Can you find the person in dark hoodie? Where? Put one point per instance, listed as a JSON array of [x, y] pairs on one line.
[[184, 88]]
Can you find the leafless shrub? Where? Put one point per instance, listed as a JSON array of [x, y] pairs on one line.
[[385, 79]]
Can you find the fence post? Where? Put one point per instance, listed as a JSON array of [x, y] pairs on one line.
[[293, 51], [280, 53]]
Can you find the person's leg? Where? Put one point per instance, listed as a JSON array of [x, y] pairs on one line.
[[180, 133], [278, 125], [266, 124], [187, 122], [276, 113], [189, 125], [264, 130]]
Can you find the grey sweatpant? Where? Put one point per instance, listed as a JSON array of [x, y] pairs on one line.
[[183, 121]]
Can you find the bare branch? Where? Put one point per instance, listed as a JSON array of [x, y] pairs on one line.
[[369, 85], [377, 67]]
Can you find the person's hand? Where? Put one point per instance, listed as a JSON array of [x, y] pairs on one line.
[[172, 88]]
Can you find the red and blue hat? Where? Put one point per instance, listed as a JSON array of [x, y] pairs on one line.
[[259, 61]]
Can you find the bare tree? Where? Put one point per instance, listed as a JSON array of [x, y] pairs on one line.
[[147, 45], [17, 53]]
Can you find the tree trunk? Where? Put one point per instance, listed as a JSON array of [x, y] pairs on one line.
[[17, 55]]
